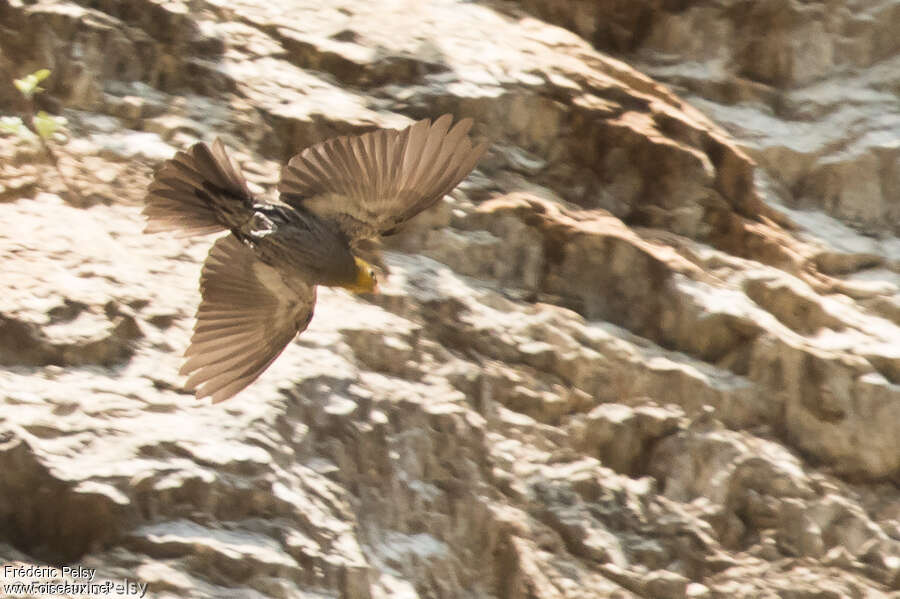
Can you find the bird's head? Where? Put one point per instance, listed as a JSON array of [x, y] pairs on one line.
[[366, 278]]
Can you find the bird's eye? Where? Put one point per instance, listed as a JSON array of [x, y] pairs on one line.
[[372, 274]]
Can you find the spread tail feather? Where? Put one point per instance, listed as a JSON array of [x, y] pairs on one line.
[[197, 192]]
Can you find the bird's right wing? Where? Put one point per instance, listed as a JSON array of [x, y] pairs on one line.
[[246, 317], [370, 184]]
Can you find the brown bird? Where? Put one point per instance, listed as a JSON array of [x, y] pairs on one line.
[[258, 284]]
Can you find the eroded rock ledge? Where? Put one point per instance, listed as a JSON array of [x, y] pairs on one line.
[[621, 360]]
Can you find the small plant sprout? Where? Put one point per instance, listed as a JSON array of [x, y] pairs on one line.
[[41, 126]]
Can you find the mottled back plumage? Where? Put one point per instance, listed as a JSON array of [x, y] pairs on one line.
[[258, 284]]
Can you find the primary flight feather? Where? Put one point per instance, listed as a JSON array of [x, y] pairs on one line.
[[258, 284]]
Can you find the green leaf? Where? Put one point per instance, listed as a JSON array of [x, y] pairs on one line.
[[24, 86], [47, 124], [14, 125], [29, 84]]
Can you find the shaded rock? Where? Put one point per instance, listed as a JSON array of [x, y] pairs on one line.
[[619, 360], [86, 515], [622, 437]]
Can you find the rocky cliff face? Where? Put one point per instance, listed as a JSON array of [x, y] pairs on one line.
[[648, 349]]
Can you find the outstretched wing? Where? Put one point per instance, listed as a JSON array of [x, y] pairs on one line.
[[370, 184], [246, 317], [197, 192]]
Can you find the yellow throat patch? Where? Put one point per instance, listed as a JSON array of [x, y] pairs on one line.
[[366, 278]]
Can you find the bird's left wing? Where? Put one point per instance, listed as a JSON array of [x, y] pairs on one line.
[[197, 192], [370, 184], [246, 317]]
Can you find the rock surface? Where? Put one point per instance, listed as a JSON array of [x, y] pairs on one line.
[[648, 349]]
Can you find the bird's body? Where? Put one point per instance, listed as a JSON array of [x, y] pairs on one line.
[[258, 284], [275, 232]]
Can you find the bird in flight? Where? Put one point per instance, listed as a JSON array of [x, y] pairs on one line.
[[258, 284]]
